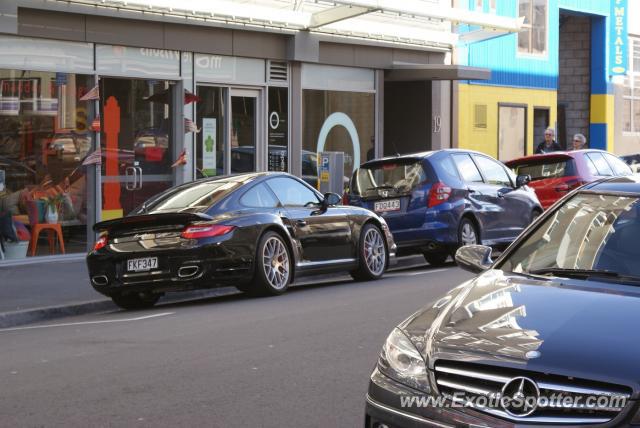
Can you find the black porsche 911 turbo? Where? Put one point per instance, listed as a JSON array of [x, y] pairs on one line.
[[252, 231]]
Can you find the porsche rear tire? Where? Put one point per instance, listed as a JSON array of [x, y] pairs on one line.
[[273, 266]]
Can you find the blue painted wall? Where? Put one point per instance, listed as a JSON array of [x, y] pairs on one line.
[[510, 68]]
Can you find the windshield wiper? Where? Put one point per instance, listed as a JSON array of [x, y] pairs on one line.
[[585, 274]]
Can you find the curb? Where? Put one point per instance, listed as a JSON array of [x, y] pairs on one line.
[[28, 316]]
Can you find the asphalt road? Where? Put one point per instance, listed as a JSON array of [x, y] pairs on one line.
[[298, 360]]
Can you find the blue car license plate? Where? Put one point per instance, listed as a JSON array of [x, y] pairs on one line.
[[388, 205]]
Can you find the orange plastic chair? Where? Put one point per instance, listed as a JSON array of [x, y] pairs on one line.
[[53, 230]]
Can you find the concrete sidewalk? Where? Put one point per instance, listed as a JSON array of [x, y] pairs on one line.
[[37, 292]]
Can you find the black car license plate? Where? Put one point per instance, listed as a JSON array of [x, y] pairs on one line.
[[142, 264]]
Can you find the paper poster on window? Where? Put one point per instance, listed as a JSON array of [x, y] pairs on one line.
[[209, 146]]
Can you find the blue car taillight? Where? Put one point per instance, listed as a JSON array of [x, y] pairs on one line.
[[438, 194]]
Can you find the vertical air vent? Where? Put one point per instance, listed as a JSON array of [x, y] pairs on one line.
[[480, 116], [278, 71]]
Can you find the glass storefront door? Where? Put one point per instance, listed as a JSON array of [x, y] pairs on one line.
[[136, 142], [244, 130], [228, 120]]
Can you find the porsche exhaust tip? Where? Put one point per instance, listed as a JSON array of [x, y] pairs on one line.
[[188, 271], [100, 280]]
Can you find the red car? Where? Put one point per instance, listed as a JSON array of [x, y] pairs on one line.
[[553, 175]]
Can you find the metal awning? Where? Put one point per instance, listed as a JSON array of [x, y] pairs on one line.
[[402, 72], [410, 22]]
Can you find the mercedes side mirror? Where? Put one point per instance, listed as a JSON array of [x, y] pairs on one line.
[[474, 258], [331, 199], [522, 180]]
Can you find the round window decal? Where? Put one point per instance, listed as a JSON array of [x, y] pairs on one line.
[[340, 119], [274, 120]]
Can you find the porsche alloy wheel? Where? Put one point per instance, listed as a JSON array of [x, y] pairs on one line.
[[275, 261]]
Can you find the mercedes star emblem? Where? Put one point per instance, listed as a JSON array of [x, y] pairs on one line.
[[520, 397]]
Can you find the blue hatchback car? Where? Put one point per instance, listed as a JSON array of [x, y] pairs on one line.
[[435, 202]]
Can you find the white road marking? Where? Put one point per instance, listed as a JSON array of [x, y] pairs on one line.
[[422, 272], [31, 327]]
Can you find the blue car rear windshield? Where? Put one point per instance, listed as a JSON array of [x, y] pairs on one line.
[[399, 176]]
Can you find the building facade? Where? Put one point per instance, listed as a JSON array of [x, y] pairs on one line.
[[105, 103], [558, 72], [627, 91]]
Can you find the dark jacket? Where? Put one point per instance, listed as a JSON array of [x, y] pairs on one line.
[[555, 147]]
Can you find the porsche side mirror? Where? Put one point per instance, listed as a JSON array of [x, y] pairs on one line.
[[522, 180], [474, 258]]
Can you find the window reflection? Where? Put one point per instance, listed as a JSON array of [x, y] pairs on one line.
[[45, 134], [353, 129], [588, 232]]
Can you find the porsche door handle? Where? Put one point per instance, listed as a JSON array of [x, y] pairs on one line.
[[301, 223]]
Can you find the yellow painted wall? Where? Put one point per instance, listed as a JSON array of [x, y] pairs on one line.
[[486, 140], [602, 111]]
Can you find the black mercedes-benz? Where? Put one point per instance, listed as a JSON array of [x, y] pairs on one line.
[[548, 334], [252, 231]]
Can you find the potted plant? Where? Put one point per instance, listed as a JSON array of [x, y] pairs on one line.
[[53, 204]]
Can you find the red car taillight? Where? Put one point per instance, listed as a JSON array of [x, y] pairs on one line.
[[569, 185], [101, 242], [439, 193], [209, 231]]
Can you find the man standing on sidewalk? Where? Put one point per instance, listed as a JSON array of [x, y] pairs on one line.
[[549, 144]]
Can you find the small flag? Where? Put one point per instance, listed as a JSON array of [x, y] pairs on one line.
[[93, 94], [189, 126], [190, 97], [94, 158], [95, 124], [182, 159]]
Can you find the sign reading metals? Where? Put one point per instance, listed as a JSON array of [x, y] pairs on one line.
[[619, 49]]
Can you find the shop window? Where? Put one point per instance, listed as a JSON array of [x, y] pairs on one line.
[[532, 39], [631, 94], [278, 126], [337, 121], [243, 133], [45, 135], [210, 141]]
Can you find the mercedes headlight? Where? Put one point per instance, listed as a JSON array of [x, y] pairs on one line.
[[400, 360]]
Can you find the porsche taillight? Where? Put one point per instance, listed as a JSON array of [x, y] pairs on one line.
[[205, 231], [102, 242]]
